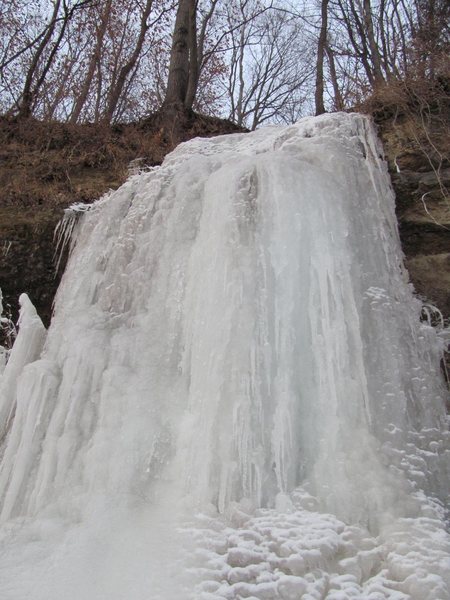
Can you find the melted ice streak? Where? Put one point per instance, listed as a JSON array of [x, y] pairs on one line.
[[236, 398]]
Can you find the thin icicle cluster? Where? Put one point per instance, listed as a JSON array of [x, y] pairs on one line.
[[64, 229]]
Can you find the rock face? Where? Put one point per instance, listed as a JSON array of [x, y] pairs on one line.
[[423, 211], [424, 219], [26, 258], [418, 159]]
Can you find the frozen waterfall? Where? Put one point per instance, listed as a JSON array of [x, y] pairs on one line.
[[236, 397]]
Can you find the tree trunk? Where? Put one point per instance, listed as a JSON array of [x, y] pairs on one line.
[[320, 107], [124, 72], [177, 84], [338, 101], [374, 50], [194, 67], [357, 28], [84, 92], [46, 68]]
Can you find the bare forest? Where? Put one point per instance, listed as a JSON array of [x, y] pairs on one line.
[[250, 61]]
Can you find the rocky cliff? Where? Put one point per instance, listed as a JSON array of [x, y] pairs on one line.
[[420, 173]]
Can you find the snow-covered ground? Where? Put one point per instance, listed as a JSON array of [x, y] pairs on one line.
[[236, 398]]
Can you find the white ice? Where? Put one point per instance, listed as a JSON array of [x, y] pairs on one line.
[[27, 348], [236, 397], [3, 351]]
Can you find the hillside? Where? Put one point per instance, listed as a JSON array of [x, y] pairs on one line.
[[45, 167]]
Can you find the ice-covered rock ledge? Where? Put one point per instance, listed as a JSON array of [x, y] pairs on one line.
[[236, 398]]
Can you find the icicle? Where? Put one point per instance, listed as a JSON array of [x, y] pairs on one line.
[[432, 316], [64, 230], [136, 166]]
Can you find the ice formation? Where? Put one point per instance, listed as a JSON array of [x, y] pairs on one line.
[[236, 397]]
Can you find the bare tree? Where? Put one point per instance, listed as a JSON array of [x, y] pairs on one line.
[[34, 79], [127, 68], [338, 100], [200, 37], [321, 46], [254, 60], [270, 67], [101, 14], [180, 59]]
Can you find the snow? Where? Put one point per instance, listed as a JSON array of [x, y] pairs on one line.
[[236, 397]]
